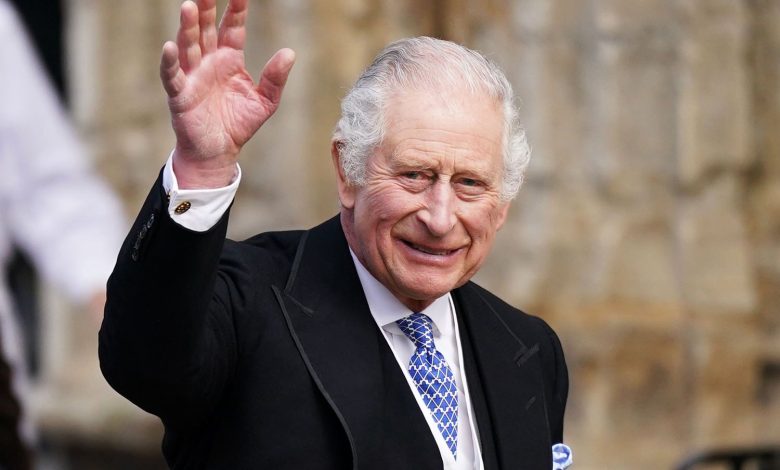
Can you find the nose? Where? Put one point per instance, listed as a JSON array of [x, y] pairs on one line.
[[438, 215]]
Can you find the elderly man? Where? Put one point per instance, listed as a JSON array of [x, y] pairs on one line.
[[359, 343]]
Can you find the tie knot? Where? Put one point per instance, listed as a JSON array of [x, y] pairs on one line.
[[418, 328]]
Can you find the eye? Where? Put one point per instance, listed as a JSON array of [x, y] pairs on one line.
[[417, 176], [470, 186], [415, 180], [470, 182]]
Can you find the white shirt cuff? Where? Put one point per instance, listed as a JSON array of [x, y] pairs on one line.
[[197, 209]]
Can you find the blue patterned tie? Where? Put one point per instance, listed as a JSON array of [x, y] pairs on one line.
[[433, 377]]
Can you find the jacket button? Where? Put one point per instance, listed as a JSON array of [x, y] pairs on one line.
[[183, 207]]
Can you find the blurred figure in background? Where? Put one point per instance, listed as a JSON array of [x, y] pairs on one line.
[[52, 206]]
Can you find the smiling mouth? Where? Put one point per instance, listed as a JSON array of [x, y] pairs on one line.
[[428, 250]]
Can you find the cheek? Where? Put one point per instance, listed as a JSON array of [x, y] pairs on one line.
[[387, 204], [482, 223], [376, 213]]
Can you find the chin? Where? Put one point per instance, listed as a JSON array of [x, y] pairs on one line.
[[426, 293]]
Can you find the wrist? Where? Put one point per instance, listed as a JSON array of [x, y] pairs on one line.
[[193, 173]]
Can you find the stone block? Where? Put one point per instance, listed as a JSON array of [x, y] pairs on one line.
[[715, 251], [548, 80], [633, 18], [765, 71], [135, 32], [643, 265], [632, 148], [535, 19], [714, 96], [725, 381]]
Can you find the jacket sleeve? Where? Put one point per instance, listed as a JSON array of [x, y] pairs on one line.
[[167, 342]]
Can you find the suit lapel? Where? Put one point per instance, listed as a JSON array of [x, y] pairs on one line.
[[508, 371], [344, 350], [478, 403]]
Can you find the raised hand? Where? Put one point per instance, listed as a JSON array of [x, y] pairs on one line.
[[215, 105]]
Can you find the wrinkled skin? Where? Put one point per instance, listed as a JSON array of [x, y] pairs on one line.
[[427, 216], [215, 105]]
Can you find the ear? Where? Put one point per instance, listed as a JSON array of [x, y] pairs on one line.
[[503, 212], [346, 190]]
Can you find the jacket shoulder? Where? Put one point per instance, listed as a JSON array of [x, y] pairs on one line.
[[268, 255], [509, 314], [529, 327]]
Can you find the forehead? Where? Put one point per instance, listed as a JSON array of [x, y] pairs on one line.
[[421, 125]]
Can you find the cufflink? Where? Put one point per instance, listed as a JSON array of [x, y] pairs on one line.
[[183, 207]]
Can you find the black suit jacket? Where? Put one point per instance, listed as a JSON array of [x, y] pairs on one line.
[[263, 354]]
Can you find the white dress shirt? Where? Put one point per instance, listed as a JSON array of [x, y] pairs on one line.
[[206, 208]]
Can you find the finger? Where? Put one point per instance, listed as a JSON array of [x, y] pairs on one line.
[[171, 74], [207, 20], [274, 76], [188, 38], [232, 29]]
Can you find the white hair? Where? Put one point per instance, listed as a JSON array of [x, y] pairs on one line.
[[425, 63]]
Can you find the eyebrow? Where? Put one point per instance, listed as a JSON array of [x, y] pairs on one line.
[[482, 173]]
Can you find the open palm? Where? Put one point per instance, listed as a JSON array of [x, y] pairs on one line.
[[215, 105]]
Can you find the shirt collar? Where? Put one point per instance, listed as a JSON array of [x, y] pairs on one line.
[[387, 309]]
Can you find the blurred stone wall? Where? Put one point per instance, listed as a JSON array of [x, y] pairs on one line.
[[647, 233]]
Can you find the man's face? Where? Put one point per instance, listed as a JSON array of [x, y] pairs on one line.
[[427, 216]]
